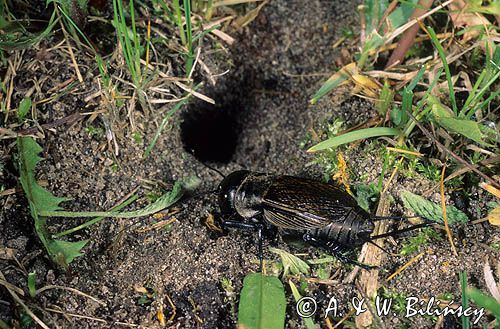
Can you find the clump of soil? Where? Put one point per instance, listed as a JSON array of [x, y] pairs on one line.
[[260, 119]]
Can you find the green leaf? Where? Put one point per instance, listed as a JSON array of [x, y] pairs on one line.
[[32, 284], [366, 195], [385, 100], [464, 127], [308, 322], [43, 204], [164, 201], [402, 14], [39, 199], [432, 211], [24, 108], [262, 303], [291, 263], [446, 119], [353, 136], [65, 251], [485, 301]]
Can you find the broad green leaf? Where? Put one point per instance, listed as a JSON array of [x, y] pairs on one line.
[[446, 119], [24, 108], [65, 251], [464, 127], [432, 211], [374, 11], [438, 110], [262, 303], [43, 204], [353, 136], [308, 322], [398, 115], [485, 301], [291, 263]]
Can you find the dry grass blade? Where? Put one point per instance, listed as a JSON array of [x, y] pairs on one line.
[[491, 189], [243, 21], [402, 268], [232, 2], [195, 93], [76, 291], [462, 16], [86, 317], [414, 21], [445, 217], [398, 150]]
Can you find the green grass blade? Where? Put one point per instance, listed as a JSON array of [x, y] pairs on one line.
[[353, 136], [417, 114], [487, 101], [485, 301], [442, 55], [262, 303], [417, 78], [135, 37], [163, 124], [465, 301], [180, 25], [189, 37], [308, 322], [32, 284], [480, 94]]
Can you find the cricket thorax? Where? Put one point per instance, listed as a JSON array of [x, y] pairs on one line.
[[248, 197]]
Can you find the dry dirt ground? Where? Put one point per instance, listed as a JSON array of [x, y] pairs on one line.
[[262, 112]]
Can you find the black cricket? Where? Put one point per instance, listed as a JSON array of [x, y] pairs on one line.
[[322, 214]]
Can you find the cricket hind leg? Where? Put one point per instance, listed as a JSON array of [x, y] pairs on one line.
[[371, 239], [398, 232], [335, 249]]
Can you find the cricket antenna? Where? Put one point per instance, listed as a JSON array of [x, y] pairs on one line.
[[214, 169]]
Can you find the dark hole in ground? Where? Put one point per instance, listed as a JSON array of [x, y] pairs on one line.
[[209, 132]]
